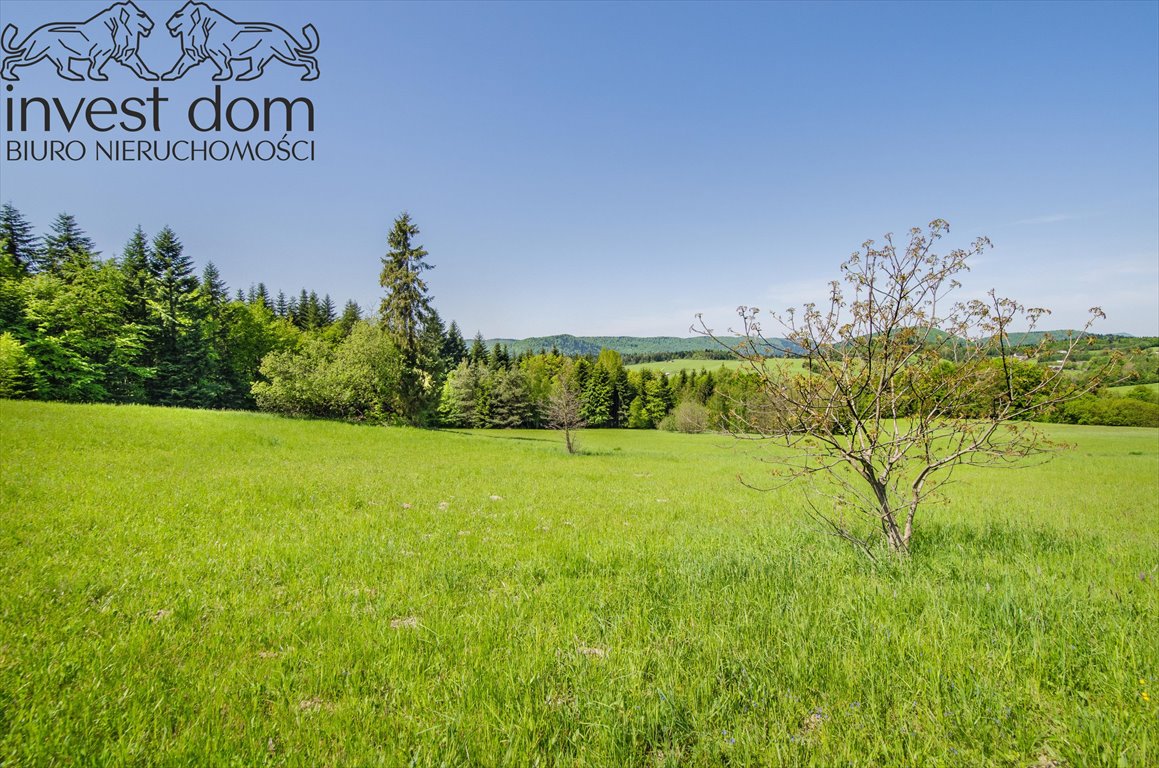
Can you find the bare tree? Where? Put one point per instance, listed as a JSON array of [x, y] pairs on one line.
[[564, 405], [902, 387]]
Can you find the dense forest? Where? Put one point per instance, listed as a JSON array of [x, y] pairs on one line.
[[144, 326]]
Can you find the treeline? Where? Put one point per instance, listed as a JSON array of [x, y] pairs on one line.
[[141, 327], [494, 390], [635, 358]]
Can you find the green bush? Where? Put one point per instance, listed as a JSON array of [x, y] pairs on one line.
[[16, 368], [690, 417], [358, 380], [1109, 410]]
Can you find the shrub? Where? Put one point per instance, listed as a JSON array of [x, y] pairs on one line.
[[690, 416], [1110, 411], [16, 368], [356, 380]]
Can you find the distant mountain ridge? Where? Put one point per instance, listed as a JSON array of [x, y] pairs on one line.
[[625, 345], [658, 345]]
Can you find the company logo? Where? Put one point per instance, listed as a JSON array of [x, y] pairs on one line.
[[111, 35], [205, 34], [208, 34]]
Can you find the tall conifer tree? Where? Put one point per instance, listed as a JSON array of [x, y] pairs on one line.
[[406, 305], [66, 242], [405, 310], [17, 239]]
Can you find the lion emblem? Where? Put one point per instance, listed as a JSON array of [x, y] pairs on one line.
[[208, 34], [111, 35]]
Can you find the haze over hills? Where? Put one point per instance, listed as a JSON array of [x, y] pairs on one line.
[[647, 345], [655, 345]]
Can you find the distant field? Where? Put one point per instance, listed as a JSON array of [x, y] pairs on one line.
[[1154, 387], [675, 366], [201, 588]]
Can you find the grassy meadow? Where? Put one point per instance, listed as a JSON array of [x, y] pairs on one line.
[[1154, 387], [204, 588]]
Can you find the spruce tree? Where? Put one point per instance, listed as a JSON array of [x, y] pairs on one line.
[[499, 359], [139, 285], [351, 314], [66, 242], [404, 311], [313, 312], [176, 351], [454, 348], [17, 238], [212, 286], [281, 306], [407, 304], [431, 343], [478, 350], [327, 313], [302, 316], [597, 398]]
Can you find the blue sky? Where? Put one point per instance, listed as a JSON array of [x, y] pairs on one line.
[[604, 168]]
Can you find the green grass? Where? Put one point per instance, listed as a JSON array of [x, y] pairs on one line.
[[675, 366], [1154, 387], [200, 588]]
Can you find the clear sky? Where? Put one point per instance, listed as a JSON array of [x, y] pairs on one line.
[[606, 168]]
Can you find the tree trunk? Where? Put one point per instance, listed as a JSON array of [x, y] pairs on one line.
[[898, 542]]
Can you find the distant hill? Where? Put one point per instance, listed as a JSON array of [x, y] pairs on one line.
[[626, 345], [682, 346], [1034, 337]]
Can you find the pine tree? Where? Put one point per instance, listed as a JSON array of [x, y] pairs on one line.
[[612, 362], [302, 316], [177, 361], [478, 350], [499, 359], [431, 341], [510, 399], [351, 314], [405, 309], [139, 285], [313, 312], [406, 305], [262, 295], [19, 240], [454, 348], [281, 306], [657, 399], [212, 286], [66, 242], [327, 313], [597, 398]]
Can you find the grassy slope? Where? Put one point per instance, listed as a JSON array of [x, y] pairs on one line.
[[183, 587], [1154, 387]]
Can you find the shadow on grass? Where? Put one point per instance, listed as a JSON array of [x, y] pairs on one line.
[[499, 434], [490, 434]]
